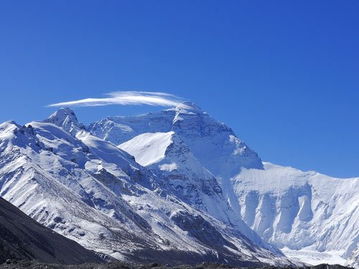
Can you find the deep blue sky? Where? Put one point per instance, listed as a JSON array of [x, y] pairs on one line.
[[283, 74]]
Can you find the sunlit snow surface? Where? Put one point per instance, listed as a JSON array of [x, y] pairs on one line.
[[152, 151]]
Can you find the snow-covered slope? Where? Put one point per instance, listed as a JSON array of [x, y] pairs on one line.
[[181, 174], [313, 214], [294, 210], [149, 148], [89, 190]]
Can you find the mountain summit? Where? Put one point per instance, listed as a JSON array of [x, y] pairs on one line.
[[205, 136], [187, 107], [65, 118]]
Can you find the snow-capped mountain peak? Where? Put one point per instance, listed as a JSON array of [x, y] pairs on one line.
[[183, 109], [187, 107], [65, 118], [7, 129], [205, 136]]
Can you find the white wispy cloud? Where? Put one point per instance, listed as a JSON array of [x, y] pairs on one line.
[[127, 98]]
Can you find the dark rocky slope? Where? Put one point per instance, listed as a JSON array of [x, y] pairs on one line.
[[22, 238]]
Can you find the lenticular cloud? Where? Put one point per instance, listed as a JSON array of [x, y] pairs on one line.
[[127, 98]]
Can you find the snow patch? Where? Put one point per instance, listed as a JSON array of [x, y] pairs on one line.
[[169, 167], [148, 148]]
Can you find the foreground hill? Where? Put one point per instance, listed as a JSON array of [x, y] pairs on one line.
[[22, 238]]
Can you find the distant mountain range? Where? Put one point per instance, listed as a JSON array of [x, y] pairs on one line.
[[174, 187]]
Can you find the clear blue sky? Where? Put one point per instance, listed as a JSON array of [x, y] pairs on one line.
[[283, 74]]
